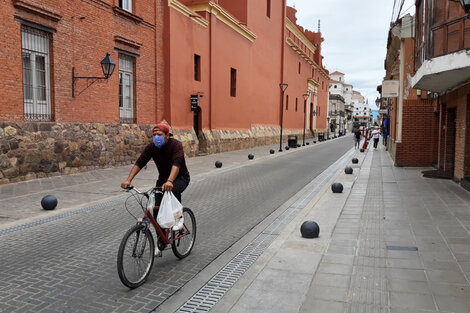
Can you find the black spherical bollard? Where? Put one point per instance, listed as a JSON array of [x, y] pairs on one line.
[[314, 141], [218, 164], [298, 145], [49, 202], [362, 150], [348, 170], [251, 156], [271, 151], [310, 229], [355, 160], [287, 147], [307, 143], [337, 188]]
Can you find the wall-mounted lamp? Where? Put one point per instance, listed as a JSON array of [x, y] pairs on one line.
[[466, 5], [377, 102], [107, 65]]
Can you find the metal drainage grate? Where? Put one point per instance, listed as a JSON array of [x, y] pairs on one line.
[[204, 299], [402, 248], [215, 289]]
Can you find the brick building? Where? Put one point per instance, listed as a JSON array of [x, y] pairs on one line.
[[430, 120], [442, 68], [228, 56], [413, 121]]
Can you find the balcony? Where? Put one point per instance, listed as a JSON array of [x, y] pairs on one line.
[[442, 62]]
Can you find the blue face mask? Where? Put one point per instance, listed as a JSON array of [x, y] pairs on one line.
[[158, 141]]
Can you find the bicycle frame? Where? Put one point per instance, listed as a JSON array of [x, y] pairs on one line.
[[162, 234]]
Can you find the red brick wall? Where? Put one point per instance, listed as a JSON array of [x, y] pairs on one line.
[[84, 32], [449, 140], [419, 134], [467, 141], [460, 121]]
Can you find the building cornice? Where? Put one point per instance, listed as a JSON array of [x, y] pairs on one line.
[[224, 17], [41, 11], [300, 35], [178, 6], [312, 85], [297, 49]]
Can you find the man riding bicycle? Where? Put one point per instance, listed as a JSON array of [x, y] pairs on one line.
[[168, 155]]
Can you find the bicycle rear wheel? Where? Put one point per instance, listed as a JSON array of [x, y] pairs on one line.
[[135, 256], [183, 240]]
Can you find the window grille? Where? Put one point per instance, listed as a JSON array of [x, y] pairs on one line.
[[36, 74], [126, 89]]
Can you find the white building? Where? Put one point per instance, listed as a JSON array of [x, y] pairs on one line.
[[342, 119], [361, 111]]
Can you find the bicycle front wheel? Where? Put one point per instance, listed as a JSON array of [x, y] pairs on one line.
[[135, 256], [183, 240]]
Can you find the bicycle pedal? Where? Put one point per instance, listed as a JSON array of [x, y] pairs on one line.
[[158, 254]]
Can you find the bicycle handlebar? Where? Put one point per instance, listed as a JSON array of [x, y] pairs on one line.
[[157, 189]]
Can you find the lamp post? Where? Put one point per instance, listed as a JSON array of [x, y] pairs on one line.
[[305, 95], [283, 87]]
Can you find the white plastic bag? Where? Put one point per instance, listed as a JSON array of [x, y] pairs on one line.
[[170, 209]]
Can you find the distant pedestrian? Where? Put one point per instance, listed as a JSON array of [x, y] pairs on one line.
[[384, 135], [357, 137], [376, 136], [367, 134]]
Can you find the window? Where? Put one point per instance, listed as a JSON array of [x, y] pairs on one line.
[[126, 89], [126, 5], [36, 76], [197, 67], [268, 8], [287, 102], [299, 67], [233, 82], [296, 104]]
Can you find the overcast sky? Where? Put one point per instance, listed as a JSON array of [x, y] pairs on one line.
[[355, 34]]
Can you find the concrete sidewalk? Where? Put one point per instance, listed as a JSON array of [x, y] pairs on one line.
[[393, 241]]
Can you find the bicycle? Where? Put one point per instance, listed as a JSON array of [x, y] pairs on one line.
[[137, 249]]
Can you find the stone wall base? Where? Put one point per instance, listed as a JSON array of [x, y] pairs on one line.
[[30, 150]]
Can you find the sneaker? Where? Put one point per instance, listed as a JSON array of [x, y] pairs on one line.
[[179, 224], [158, 253]]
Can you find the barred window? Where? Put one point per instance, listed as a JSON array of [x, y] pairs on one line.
[[126, 89], [126, 5], [36, 74]]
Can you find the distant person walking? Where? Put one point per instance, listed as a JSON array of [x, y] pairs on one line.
[[357, 137], [376, 136], [384, 136], [367, 134]]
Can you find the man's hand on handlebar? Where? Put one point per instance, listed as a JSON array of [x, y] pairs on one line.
[[168, 186], [125, 184]]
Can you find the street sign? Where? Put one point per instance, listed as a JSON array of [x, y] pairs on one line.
[[390, 88], [194, 102]]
